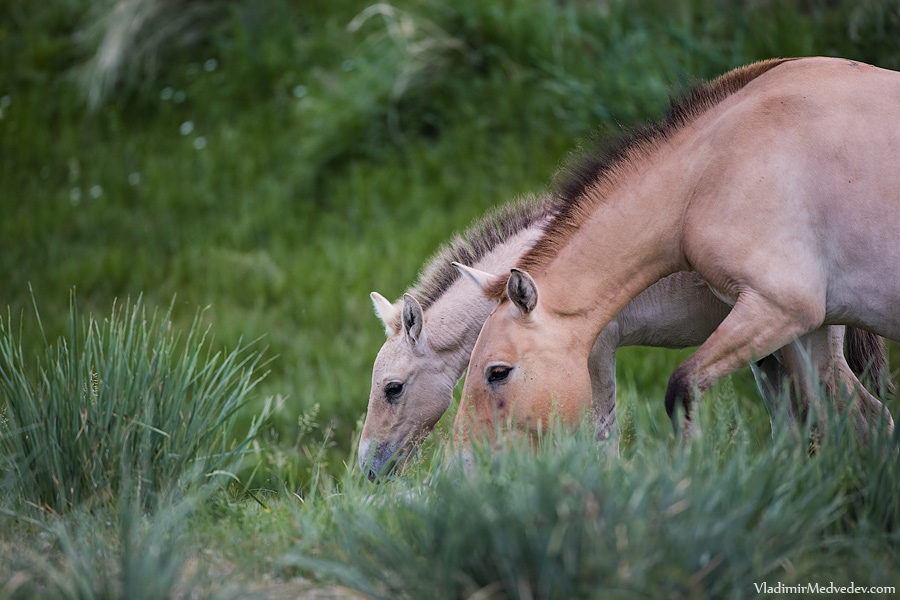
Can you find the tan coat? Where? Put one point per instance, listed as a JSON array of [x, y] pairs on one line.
[[778, 183]]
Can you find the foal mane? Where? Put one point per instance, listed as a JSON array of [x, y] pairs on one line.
[[475, 243], [582, 183]]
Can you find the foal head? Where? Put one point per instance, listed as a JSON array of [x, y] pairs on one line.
[[525, 368], [411, 389]]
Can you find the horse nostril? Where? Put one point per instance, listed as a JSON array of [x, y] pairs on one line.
[[383, 462]]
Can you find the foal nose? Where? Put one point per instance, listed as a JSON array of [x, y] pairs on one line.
[[380, 462], [364, 454]]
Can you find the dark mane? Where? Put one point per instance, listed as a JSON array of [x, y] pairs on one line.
[[581, 183], [476, 242]]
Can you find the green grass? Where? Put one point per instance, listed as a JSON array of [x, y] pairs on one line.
[[120, 406], [571, 520], [567, 519], [275, 165], [271, 166]]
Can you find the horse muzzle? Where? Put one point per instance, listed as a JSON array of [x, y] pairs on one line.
[[382, 460]]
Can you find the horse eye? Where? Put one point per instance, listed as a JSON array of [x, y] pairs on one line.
[[393, 390], [498, 374]]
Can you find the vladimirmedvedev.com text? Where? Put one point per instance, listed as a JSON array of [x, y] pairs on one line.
[[820, 588]]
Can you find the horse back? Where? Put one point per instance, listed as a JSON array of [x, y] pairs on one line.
[[796, 190]]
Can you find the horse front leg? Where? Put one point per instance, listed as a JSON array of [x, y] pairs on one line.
[[755, 328], [812, 362], [602, 368], [773, 382]]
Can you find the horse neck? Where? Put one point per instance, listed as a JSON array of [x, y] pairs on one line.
[[455, 319], [630, 240]]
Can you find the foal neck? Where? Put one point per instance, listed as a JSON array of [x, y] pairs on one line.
[[455, 319]]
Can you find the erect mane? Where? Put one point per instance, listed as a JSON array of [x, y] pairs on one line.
[[475, 243], [581, 183]]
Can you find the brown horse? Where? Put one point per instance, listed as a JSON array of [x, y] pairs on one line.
[[778, 183]]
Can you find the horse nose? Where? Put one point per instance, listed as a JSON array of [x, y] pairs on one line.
[[378, 462], [365, 455], [369, 462], [377, 468]]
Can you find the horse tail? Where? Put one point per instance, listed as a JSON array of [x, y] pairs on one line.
[[867, 357]]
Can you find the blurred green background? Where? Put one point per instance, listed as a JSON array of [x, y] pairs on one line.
[[275, 161]]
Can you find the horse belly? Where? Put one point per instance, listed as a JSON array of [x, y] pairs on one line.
[[811, 208], [861, 244], [867, 296]]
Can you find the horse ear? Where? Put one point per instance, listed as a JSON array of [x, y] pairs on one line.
[[522, 290], [386, 311], [413, 318], [479, 278]]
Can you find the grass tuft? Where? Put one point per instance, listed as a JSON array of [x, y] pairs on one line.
[[121, 395]]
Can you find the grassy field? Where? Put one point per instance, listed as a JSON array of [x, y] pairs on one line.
[[247, 173]]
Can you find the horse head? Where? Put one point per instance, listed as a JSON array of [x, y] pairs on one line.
[[524, 367], [412, 388]]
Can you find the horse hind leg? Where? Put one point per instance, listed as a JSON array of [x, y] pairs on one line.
[[813, 367], [821, 371], [867, 412], [755, 327], [867, 358]]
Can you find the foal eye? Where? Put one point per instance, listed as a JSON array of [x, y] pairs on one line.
[[498, 373], [393, 390]]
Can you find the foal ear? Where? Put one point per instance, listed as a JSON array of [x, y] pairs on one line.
[[386, 311], [479, 278], [522, 290], [413, 318]]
